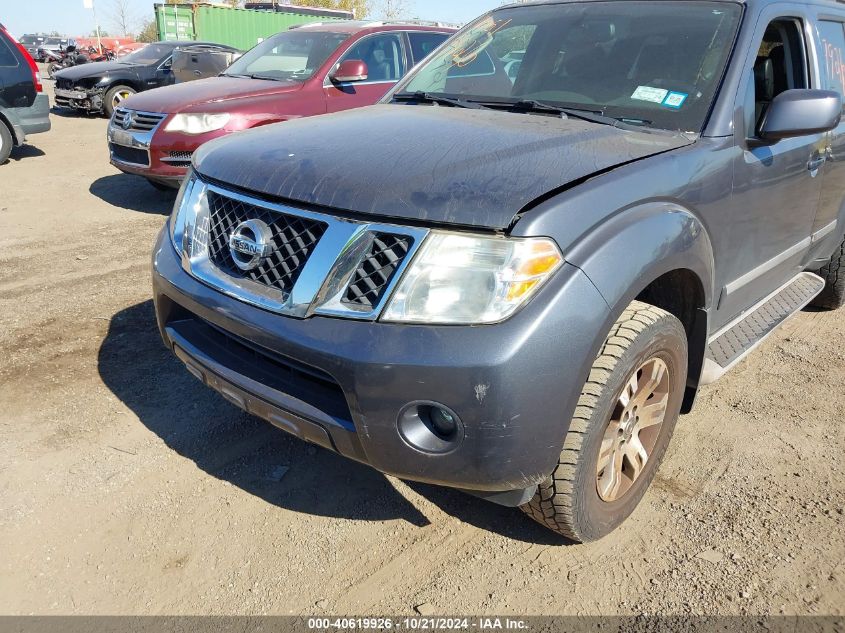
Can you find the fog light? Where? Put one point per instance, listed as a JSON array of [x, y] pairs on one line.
[[430, 427]]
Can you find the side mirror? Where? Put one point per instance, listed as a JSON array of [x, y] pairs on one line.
[[801, 113], [349, 70]]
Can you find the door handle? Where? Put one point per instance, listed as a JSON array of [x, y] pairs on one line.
[[815, 163]]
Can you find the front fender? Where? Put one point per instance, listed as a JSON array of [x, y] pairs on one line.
[[624, 254]]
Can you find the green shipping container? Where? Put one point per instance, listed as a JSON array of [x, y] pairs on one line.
[[241, 28]]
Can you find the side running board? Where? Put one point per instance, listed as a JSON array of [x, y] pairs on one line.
[[737, 339]]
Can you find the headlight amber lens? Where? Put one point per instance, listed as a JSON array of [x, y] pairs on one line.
[[463, 279]]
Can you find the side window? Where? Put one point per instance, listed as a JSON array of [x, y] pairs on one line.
[[832, 35], [382, 54], [7, 57], [781, 64], [422, 43]]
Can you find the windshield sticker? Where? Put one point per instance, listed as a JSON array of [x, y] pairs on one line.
[[675, 100], [646, 93]]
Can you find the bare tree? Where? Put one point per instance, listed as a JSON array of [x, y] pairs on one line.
[[392, 9], [122, 16]]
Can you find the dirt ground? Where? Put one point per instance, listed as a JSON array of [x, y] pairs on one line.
[[127, 487]]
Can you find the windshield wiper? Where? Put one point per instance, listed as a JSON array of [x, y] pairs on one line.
[[592, 116], [427, 97], [263, 77]]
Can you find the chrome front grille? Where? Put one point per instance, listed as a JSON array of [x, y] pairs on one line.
[[310, 263], [140, 121], [377, 269], [294, 239]]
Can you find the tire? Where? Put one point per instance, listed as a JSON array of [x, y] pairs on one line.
[[569, 502], [114, 96], [833, 295], [6, 143]]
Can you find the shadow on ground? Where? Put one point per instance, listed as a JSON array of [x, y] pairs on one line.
[[249, 453], [22, 152], [134, 193], [70, 113]]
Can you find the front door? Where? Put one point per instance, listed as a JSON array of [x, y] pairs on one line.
[[831, 46], [776, 186], [384, 55]]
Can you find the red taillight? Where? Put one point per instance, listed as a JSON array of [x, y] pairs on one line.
[[36, 76]]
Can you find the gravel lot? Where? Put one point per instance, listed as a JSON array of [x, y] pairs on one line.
[[126, 487]]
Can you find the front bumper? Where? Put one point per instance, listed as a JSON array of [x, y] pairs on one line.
[[85, 99], [165, 157], [342, 383]]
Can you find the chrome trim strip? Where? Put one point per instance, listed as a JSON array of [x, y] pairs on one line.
[[767, 266], [134, 139], [823, 232], [323, 281]]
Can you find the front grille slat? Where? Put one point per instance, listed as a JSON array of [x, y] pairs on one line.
[[142, 121], [294, 239], [377, 269]]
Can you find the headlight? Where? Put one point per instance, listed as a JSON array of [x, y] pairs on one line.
[[186, 211], [463, 279], [197, 123]]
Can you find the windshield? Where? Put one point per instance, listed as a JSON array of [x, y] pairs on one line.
[[651, 63], [150, 54], [55, 41], [288, 56], [28, 40]]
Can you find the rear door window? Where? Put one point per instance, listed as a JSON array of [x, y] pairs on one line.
[[7, 56], [423, 43], [832, 35]]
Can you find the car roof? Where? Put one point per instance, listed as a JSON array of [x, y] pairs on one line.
[[830, 3], [359, 26]]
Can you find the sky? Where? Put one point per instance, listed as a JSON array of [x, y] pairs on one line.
[[70, 18]]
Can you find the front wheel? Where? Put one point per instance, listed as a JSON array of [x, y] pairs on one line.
[[115, 96], [621, 428]]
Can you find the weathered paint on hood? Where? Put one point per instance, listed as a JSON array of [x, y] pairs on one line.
[[425, 163], [185, 96]]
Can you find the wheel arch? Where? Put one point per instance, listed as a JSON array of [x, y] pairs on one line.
[[17, 138], [658, 253], [129, 83]]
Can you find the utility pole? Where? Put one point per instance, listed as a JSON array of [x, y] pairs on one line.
[[89, 4]]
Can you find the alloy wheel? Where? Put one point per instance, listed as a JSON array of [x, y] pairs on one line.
[[633, 429], [120, 96]]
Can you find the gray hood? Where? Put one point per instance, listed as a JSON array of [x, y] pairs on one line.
[[424, 163]]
